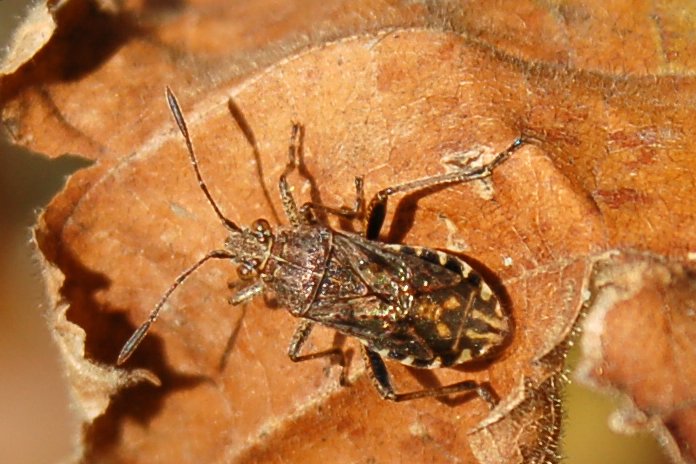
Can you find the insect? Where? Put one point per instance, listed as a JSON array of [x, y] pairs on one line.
[[418, 306]]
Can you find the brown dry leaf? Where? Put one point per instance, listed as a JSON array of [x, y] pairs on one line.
[[104, 53], [639, 339], [371, 125], [610, 154]]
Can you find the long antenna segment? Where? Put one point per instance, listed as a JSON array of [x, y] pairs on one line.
[[138, 336], [130, 346], [176, 111]]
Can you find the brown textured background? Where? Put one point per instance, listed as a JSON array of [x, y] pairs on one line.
[[36, 422]]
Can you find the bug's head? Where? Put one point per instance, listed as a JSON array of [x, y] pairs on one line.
[[251, 247]]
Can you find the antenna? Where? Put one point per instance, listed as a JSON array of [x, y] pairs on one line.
[[138, 336], [176, 111], [130, 346]]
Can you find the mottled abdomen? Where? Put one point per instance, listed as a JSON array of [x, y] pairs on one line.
[[457, 323]]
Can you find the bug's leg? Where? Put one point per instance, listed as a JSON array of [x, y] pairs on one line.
[[377, 208], [289, 205], [246, 293], [298, 340], [357, 210], [382, 382]]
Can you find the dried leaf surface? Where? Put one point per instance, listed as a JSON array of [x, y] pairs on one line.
[[129, 50], [372, 128], [608, 155]]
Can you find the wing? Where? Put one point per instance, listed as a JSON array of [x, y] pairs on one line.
[[390, 270], [419, 306]]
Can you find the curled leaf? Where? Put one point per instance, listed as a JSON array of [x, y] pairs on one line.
[[639, 341]]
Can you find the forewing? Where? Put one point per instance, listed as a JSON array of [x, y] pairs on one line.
[[371, 320], [386, 270]]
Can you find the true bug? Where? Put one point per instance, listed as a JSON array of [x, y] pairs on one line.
[[418, 306]]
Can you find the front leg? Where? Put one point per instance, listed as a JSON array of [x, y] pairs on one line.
[[382, 382], [308, 209], [289, 205], [298, 340]]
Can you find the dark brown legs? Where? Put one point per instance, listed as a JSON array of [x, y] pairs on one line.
[[298, 340], [382, 381]]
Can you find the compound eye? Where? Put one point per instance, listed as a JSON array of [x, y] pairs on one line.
[[245, 272], [261, 229]]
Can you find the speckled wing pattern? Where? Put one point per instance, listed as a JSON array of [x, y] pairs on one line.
[[422, 307]]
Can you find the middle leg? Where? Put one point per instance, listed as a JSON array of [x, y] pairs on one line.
[[298, 340]]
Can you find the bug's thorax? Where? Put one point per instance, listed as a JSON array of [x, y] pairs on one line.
[[296, 265]]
